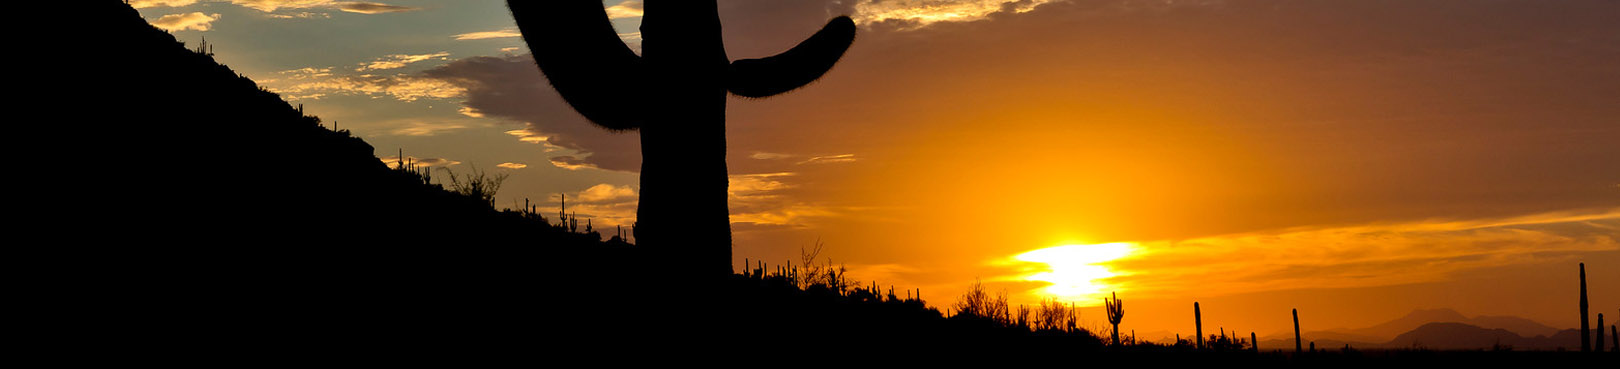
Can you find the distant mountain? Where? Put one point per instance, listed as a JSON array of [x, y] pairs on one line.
[[1453, 336], [1404, 331], [1459, 336], [1521, 326], [1417, 318]]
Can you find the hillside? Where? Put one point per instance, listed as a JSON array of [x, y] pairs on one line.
[[207, 213]]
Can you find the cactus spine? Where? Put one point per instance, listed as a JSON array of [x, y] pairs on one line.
[[674, 94]]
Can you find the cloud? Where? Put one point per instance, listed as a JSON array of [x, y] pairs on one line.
[[606, 192], [400, 61], [422, 129], [393, 161], [761, 199], [195, 21], [470, 112], [505, 33], [347, 6], [829, 159], [373, 8], [512, 165], [571, 163], [512, 88], [918, 13], [142, 4], [315, 83], [769, 156], [627, 9]]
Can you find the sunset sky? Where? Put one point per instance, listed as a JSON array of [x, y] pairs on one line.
[[1355, 159]]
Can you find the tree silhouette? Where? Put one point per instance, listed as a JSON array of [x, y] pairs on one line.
[[675, 96]]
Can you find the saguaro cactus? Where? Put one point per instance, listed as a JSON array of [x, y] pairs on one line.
[[1586, 330], [1599, 345], [1297, 346], [1198, 325], [1116, 313], [674, 94]]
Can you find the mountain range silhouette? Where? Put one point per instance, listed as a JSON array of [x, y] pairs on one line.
[[1439, 329]]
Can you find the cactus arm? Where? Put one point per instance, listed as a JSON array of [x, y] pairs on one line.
[[794, 68], [579, 52]]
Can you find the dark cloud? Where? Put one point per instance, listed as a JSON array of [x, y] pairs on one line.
[[373, 8], [511, 87]]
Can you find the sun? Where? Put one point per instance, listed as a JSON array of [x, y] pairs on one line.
[[1077, 272]]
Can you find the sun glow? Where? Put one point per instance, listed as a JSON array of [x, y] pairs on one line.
[[1077, 272]]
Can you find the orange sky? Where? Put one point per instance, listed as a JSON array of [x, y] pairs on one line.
[[1354, 159]]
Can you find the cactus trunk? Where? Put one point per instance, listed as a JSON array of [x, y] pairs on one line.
[[1599, 346], [1297, 346], [1198, 325], [1586, 330], [674, 94]]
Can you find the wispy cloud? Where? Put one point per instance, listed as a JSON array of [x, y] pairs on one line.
[[420, 128], [361, 7], [606, 192], [483, 35], [194, 21], [571, 163], [918, 13], [315, 83], [769, 156], [535, 138], [830, 159], [512, 165], [400, 61], [142, 4], [372, 8], [393, 161]]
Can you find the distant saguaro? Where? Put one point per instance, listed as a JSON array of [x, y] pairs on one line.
[[1297, 346], [1116, 313], [1586, 330], [1599, 346], [1255, 342], [1198, 322], [674, 94]]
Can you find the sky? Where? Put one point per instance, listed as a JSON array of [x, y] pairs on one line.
[[1354, 159]]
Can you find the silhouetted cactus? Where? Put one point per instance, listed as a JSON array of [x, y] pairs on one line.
[[1254, 342], [675, 95], [1296, 331], [1599, 346], [1116, 313], [1198, 323], [1586, 330]]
